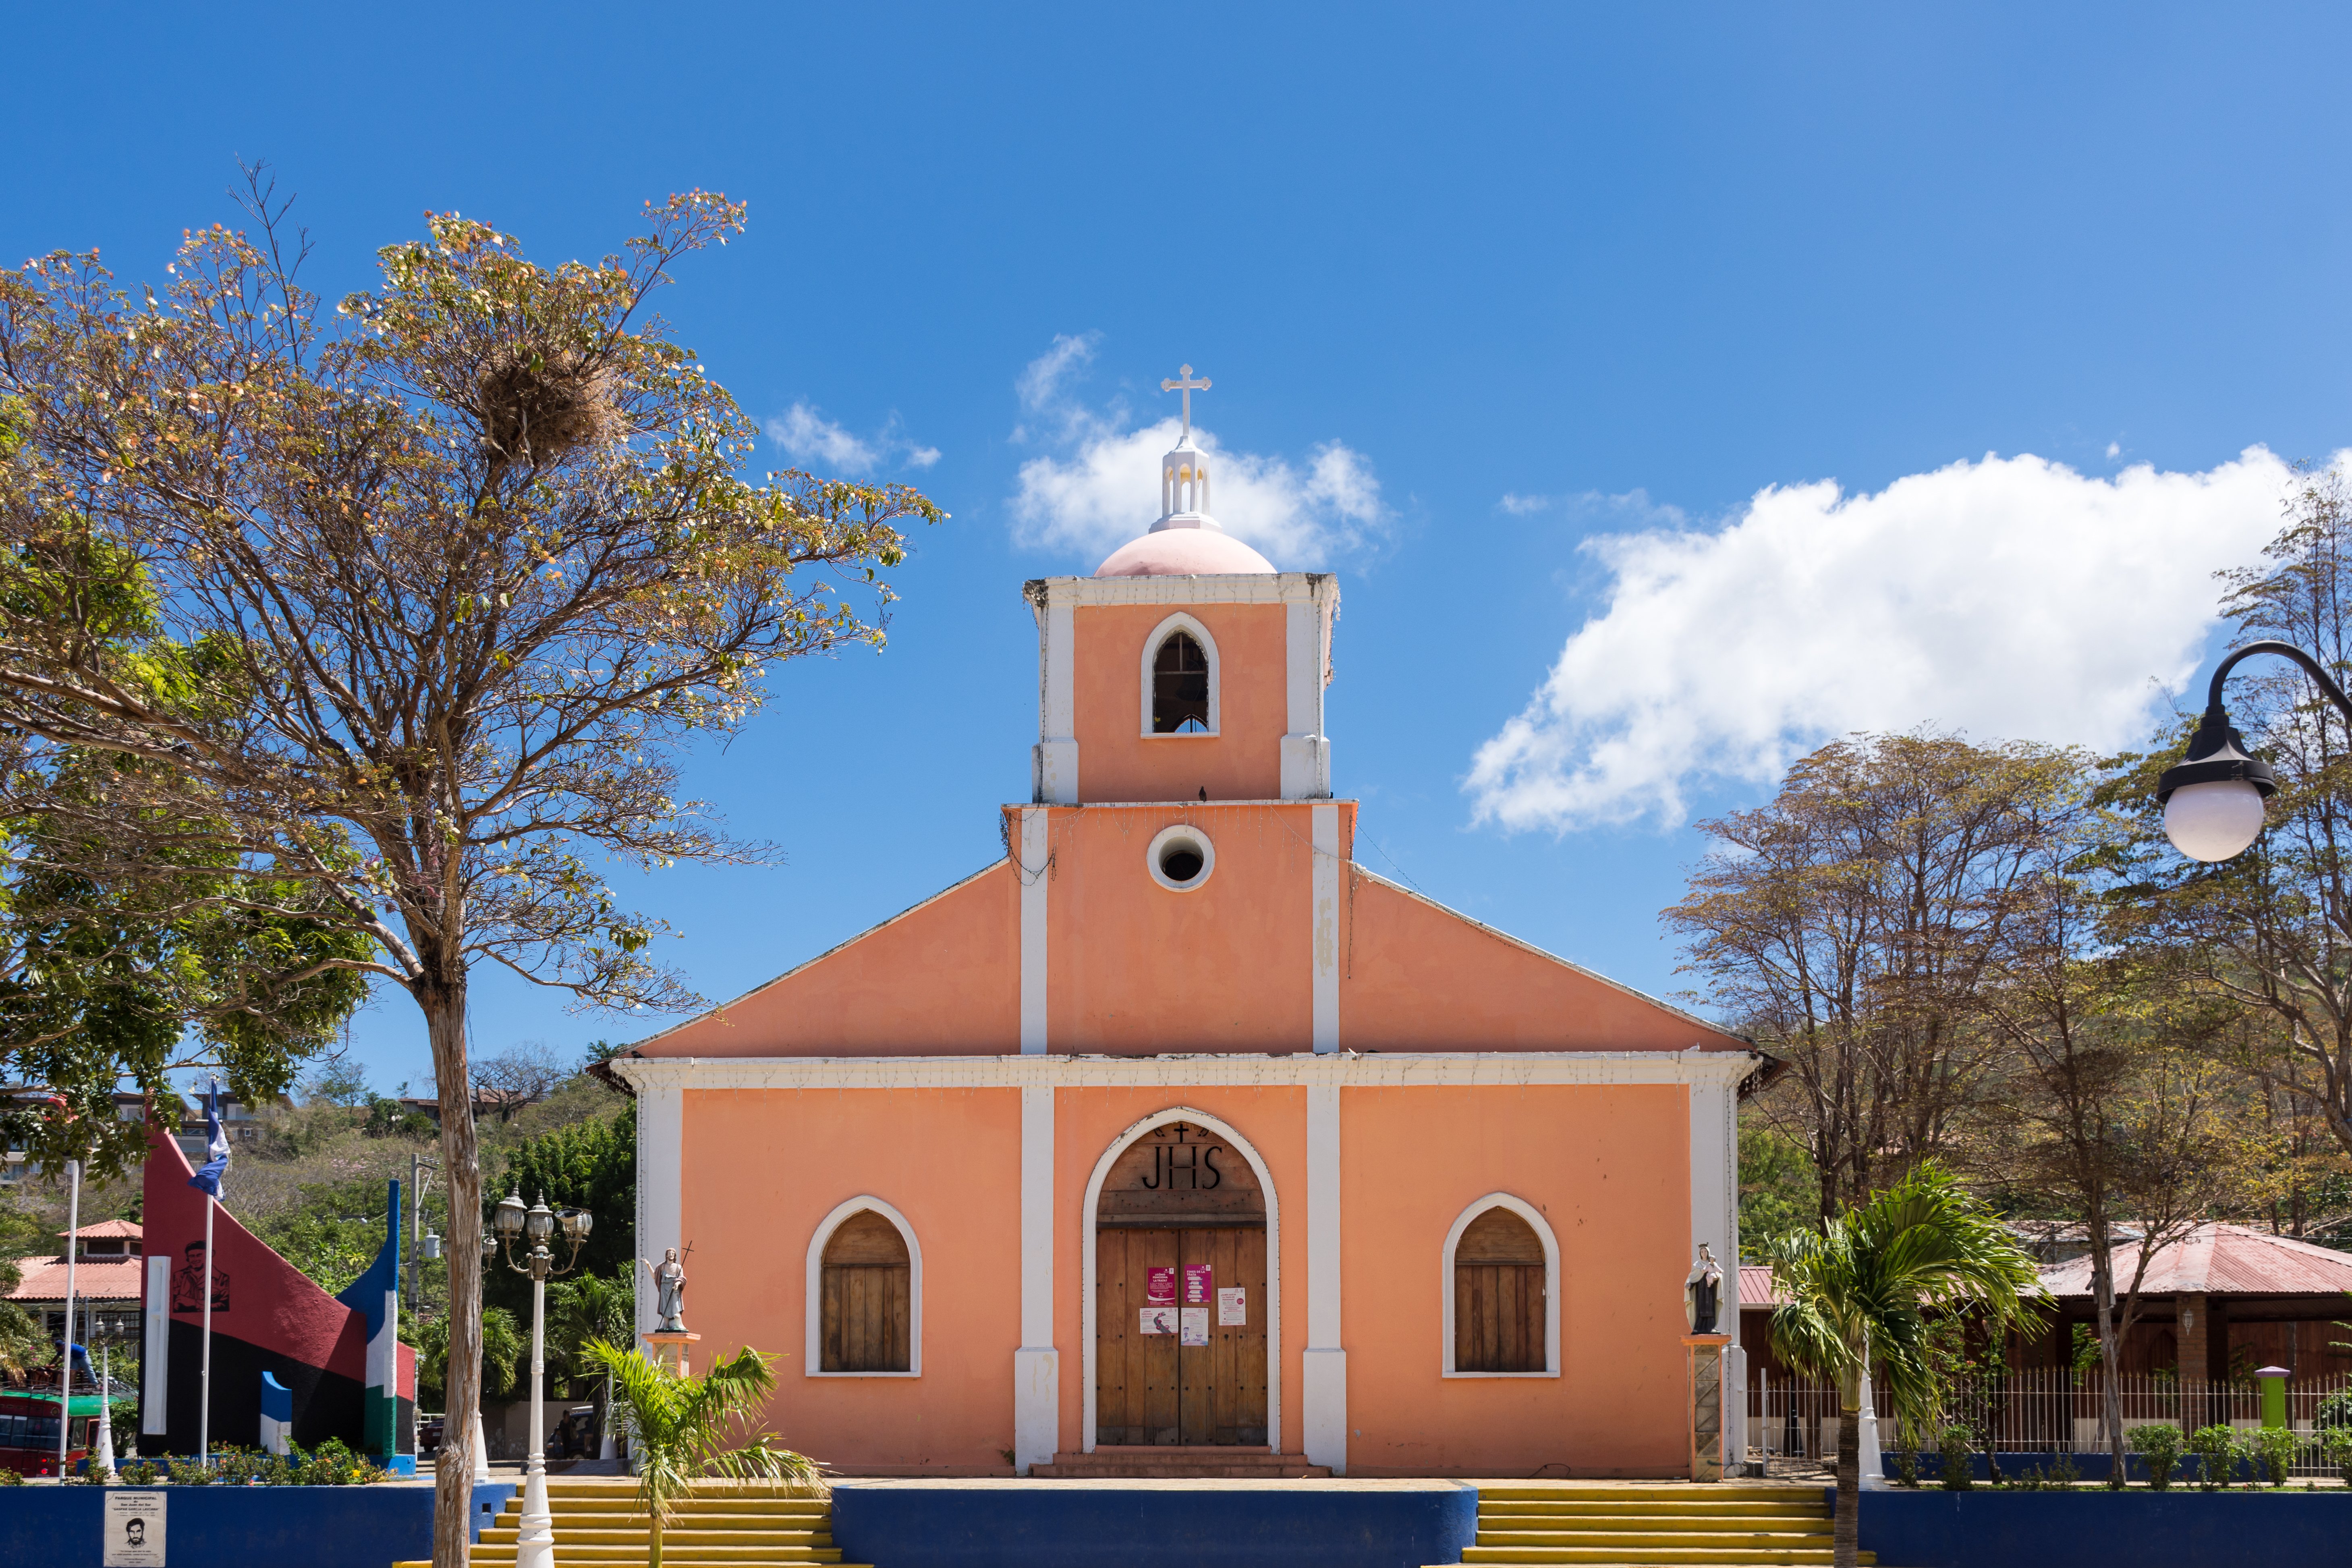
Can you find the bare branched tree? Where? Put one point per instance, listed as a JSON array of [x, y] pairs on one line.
[[1846, 925], [444, 579]]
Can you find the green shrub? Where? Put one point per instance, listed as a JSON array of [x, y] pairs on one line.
[[2159, 1445], [139, 1473], [2336, 1448], [2274, 1453], [187, 1471], [2217, 1449], [9, 1478], [1956, 1444]]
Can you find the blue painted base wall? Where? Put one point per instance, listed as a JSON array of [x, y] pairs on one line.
[[2067, 1529], [1105, 1525], [240, 1527]]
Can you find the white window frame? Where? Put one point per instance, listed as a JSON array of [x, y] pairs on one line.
[[1180, 622], [1190, 835], [813, 1357], [1536, 1222]]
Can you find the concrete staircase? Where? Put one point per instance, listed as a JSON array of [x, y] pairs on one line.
[[600, 1521], [1199, 1461], [1673, 1522]]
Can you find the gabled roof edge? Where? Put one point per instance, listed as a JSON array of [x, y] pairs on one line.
[[1360, 870], [998, 864]]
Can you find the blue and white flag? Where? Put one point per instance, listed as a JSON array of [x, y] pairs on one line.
[[207, 1179]]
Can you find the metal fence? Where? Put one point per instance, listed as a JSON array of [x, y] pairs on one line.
[[2043, 1411]]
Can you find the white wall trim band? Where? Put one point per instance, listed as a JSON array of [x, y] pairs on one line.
[[1723, 1069], [1036, 1364]]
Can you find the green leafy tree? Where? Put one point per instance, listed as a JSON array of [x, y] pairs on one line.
[[682, 1429], [591, 1166], [586, 1308], [1778, 1186], [504, 1347], [471, 559], [1859, 1293]]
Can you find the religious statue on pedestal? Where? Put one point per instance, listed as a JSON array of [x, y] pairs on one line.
[[1704, 1290], [669, 1291]]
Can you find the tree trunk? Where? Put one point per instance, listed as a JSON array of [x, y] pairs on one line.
[[1845, 1543], [2111, 1396], [461, 1172]]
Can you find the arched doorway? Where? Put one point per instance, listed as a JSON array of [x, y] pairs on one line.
[[1181, 1222]]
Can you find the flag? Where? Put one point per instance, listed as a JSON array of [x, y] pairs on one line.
[[207, 1179]]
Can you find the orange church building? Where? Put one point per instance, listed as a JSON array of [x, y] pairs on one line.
[[1177, 1129]]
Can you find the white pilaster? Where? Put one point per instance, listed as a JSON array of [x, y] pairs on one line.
[[1305, 750], [1326, 839], [1714, 1181], [1056, 766], [1325, 1383], [1035, 870], [156, 1362], [661, 1187], [1036, 1365]]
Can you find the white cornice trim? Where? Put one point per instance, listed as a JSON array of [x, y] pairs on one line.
[[1239, 588], [1384, 1069]]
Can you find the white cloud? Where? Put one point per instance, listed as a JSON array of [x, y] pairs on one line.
[[2007, 598], [808, 437], [1520, 506], [1100, 487]]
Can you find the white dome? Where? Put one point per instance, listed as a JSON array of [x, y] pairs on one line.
[[1184, 553]]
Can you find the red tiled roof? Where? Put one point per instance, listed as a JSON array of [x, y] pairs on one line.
[[2223, 1259], [107, 1229], [95, 1280], [1755, 1286]]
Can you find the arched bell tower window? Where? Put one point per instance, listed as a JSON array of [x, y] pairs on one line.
[[1179, 679]]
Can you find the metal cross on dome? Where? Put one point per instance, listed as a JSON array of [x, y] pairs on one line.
[[1188, 387]]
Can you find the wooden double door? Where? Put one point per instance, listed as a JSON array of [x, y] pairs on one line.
[[1152, 1388]]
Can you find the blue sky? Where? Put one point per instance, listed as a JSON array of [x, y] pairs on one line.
[[1513, 312]]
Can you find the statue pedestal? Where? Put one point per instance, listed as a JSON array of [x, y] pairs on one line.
[[679, 1343], [1708, 1455]]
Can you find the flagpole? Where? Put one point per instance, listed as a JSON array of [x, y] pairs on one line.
[[204, 1377], [65, 1365]]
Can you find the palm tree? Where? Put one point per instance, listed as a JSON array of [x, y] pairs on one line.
[[1858, 1293], [592, 1307], [679, 1426]]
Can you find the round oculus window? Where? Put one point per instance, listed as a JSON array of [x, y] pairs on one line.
[[1181, 858]]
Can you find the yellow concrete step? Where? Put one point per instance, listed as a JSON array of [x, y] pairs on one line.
[[1666, 1491], [1655, 1534], [1709, 1539], [789, 1541], [1617, 1553], [728, 1555], [1801, 1506]]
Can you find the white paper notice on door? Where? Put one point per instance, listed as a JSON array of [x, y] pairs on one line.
[[134, 1530], [1161, 1319], [1233, 1307], [1195, 1326]]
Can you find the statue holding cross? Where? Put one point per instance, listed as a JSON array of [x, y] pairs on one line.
[[1184, 383]]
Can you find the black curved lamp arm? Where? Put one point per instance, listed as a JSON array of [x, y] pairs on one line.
[[2216, 754], [2216, 715]]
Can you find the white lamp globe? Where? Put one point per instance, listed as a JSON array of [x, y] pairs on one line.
[[2213, 821]]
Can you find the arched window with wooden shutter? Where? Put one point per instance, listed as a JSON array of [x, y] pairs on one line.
[[1502, 1278], [865, 1294]]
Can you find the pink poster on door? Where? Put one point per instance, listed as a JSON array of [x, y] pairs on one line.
[[1159, 1287], [1200, 1284]]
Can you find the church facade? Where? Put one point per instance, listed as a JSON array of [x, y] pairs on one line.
[[1176, 1128]]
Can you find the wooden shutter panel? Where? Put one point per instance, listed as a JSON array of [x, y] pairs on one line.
[[866, 1297], [1499, 1296]]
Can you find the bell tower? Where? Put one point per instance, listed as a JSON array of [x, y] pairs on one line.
[[1187, 668]]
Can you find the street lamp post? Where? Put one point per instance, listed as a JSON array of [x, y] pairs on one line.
[[2213, 798], [535, 1542]]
